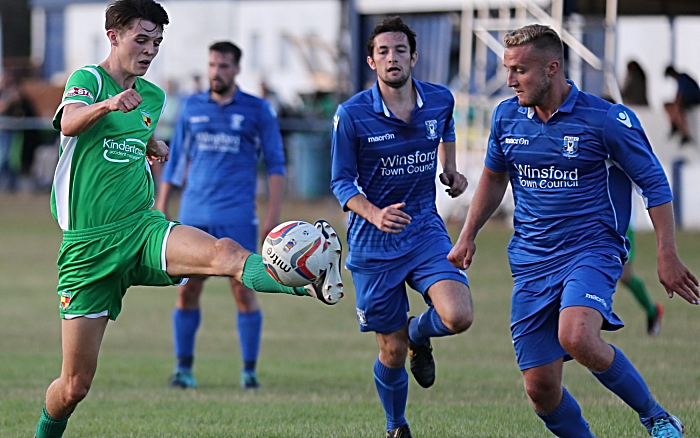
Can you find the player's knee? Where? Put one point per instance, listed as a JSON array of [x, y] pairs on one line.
[[542, 390], [394, 355], [459, 322], [229, 257], [575, 342], [75, 391]]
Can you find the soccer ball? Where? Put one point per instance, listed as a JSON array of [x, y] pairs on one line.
[[294, 253]]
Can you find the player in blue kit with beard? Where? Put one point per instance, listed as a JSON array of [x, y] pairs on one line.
[[385, 147], [569, 157], [214, 154]]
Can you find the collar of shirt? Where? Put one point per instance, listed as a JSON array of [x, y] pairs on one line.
[[567, 106], [380, 106]]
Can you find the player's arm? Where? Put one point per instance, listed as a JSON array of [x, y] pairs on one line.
[[628, 146], [276, 164], [456, 182], [163, 199], [78, 118], [673, 274], [175, 168], [489, 194], [388, 219], [277, 184]]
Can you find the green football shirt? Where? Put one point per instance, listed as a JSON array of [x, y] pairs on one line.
[[102, 174]]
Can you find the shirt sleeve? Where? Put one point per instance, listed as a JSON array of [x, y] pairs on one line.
[[344, 158], [629, 148], [83, 87], [495, 159], [175, 169], [449, 132], [271, 139]]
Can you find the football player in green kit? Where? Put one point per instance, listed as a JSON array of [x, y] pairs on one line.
[[102, 198]]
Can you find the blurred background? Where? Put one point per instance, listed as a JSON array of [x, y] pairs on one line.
[[306, 56]]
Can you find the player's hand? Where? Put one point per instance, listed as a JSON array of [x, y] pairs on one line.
[[456, 182], [158, 153], [462, 253], [125, 101], [391, 219], [676, 278]]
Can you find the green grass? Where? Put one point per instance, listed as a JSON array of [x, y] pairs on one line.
[[315, 367]]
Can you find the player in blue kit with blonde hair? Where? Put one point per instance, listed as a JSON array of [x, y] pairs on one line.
[[569, 157], [214, 154], [385, 149]]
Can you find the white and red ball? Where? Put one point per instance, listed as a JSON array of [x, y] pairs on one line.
[[295, 253]]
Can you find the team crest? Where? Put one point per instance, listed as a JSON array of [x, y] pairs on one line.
[[65, 300], [237, 121], [570, 149], [146, 119], [361, 317], [431, 129]]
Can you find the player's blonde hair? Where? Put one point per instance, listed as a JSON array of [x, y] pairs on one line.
[[543, 38]]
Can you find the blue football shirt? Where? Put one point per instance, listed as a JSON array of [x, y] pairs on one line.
[[214, 153], [571, 178], [390, 161]]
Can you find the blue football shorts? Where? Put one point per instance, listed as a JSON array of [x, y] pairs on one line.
[[588, 281], [246, 234], [381, 299]]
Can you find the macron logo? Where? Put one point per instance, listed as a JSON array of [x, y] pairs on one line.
[[624, 119], [597, 298], [523, 141], [388, 136]]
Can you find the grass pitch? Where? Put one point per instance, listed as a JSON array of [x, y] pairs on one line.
[[315, 367]]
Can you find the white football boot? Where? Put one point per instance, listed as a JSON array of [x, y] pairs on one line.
[[328, 287]]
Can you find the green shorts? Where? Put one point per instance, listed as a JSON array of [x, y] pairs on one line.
[[96, 266]]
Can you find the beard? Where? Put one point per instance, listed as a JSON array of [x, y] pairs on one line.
[[399, 81], [537, 96], [220, 87]]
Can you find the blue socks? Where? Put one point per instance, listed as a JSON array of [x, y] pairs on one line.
[[566, 420], [185, 325], [427, 325], [392, 386], [624, 380], [249, 332]]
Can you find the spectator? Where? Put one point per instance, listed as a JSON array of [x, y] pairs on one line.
[[10, 106], [634, 88], [687, 97]]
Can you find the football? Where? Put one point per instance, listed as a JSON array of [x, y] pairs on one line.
[[294, 253]]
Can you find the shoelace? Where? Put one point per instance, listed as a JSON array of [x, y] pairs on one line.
[[661, 426]]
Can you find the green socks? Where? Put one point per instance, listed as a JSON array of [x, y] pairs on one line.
[[49, 427], [636, 285], [256, 277]]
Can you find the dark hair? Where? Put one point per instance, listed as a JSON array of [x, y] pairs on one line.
[[120, 13], [670, 71], [392, 24], [543, 38], [227, 47]]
